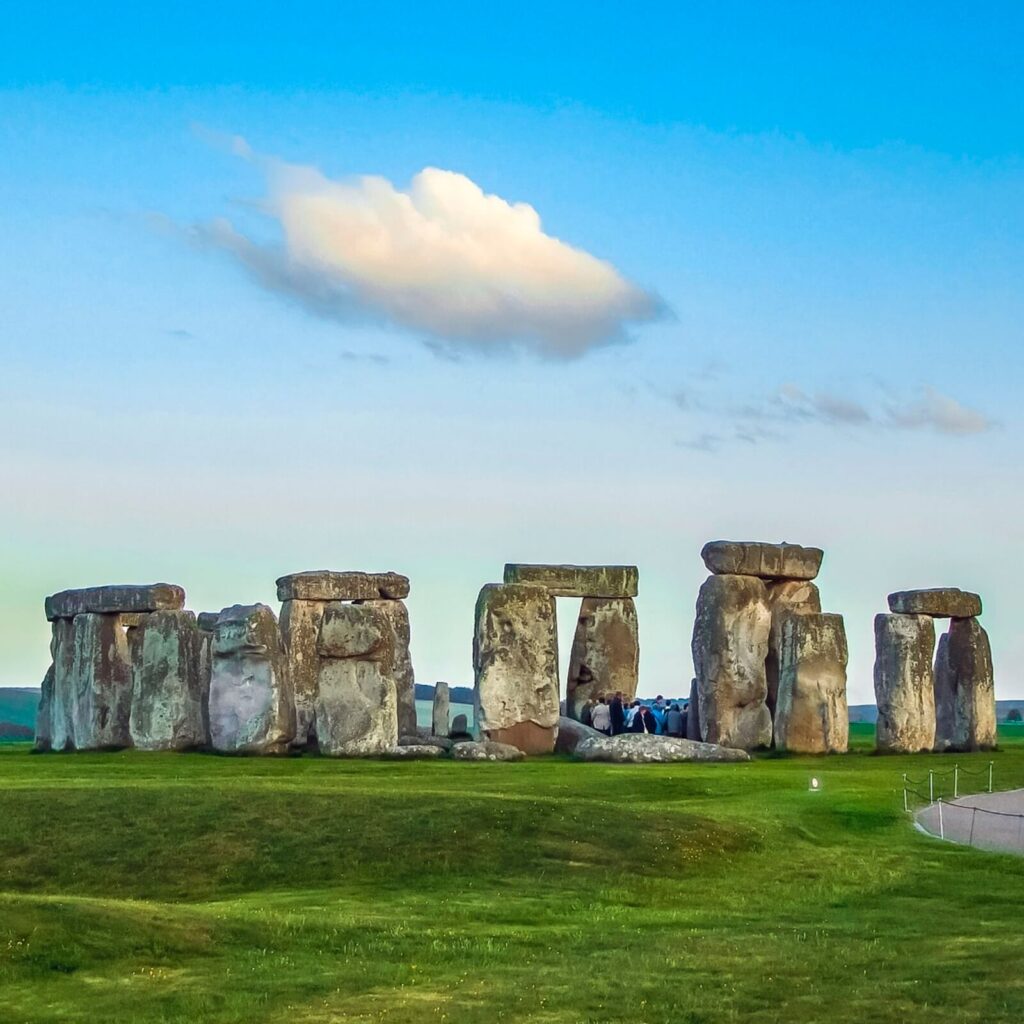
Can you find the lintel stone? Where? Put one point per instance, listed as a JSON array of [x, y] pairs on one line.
[[108, 600], [327, 585], [609, 581]]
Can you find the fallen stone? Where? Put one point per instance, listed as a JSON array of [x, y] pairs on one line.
[[571, 734], [647, 748], [419, 752], [730, 645], [108, 600], [904, 683], [693, 713], [326, 585], [99, 700], [965, 697], [487, 750], [252, 710], [441, 742], [609, 581], [768, 561], [357, 702], [515, 661], [605, 654], [812, 715], [785, 597], [440, 710], [300, 631], [944, 603], [402, 670], [167, 697]]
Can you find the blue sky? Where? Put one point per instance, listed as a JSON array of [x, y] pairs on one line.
[[827, 200]]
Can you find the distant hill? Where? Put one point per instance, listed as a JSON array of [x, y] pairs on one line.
[[869, 713], [457, 694], [18, 707]]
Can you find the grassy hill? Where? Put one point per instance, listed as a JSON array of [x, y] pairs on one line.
[[17, 712], [147, 887]]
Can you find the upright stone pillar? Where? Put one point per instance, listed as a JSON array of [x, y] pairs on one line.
[[300, 629], [515, 661], [811, 716], [62, 646], [252, 709], [965, 698], [904, 684], [101, 683], [693, 714], [357, 706], [167, 697], [440, 711], [605, 652], [785, 597], [402, 670], [730, 644], [44, 736]]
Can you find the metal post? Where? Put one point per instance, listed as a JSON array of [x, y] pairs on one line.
[[942, 830], [974, 814], [990, 776], [906, 806], [931, 787], [956, 781]]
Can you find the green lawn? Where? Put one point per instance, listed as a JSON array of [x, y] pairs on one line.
[[146, 887]]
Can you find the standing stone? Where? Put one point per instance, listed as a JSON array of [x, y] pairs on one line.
[[252, 710], [300, 631], [356, 704], [730, 645], [402, 670], [167, 695], [693, 713], [785, 597], [62, 648], [100, 684], [812, 715], [207, 625], [605, 652], [515, 662], [965, 696], [904, 683], [440, 710], [43, 736]]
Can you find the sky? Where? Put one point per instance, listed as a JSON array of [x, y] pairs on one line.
[[425, 288]]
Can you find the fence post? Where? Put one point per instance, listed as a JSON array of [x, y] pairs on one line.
[[956, 781], [942, 830], [974, 814], [906, 806], [990, 776], [931, 786]]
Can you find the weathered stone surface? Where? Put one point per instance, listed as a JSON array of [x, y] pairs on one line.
[[252, 709], [62, 650], [812, 715], [577, 580], [487, 750], [571, 733], [460, 726], [100, 692], [440, 710], [167, 695], [785, 597], [327, 585], [943, 603], [300, 631], [107, 600], [43, 726], [693, 713], [965, 696], [645, 748], [730, 645], [357, 703], [515, 660], [605, 654], [207, 621], [769, 561], [414, 752], [904, 683], [429, 741], [402, 670]]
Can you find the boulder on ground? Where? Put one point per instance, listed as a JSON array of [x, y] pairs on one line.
[[327, 585], [941, 603], [647, 748], [300, 632], [965, 697], [401, 670], [252, 710], [609, 581], [515, 661], [730, 645], [571, 734], [605, 652], [440, 710], [768, 561], [414, 752], [904, 683], [785, 597], [357, 703], [812, 715], [486, 750], [167, 684], [112, 599], [442, 742]]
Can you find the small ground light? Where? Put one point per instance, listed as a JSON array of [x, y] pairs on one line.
[[815, 784]]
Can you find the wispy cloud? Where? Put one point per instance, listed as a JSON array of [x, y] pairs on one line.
[[442, 258], [938, 412]]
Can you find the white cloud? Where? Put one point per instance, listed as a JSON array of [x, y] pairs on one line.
[[442, 258], [935, 411]]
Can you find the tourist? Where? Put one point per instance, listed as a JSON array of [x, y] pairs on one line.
[[617, 714], [601, 717], [675, 723], [643, 720], [587, 711], [631, 714]]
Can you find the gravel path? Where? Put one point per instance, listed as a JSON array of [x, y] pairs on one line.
[[989, 821]]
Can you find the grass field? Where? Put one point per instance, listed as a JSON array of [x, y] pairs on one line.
[[145, 887]]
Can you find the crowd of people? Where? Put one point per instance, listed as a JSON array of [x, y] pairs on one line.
[[614, 714]]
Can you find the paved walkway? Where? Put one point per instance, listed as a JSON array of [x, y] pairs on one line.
[[988, 821]]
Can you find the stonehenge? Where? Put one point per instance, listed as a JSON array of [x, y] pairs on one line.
[[605, 655], [440, 710]]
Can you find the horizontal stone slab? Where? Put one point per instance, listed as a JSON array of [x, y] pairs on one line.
[[577, 580], [327, 585], [941, 603], [768, 561], [151, 597]]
